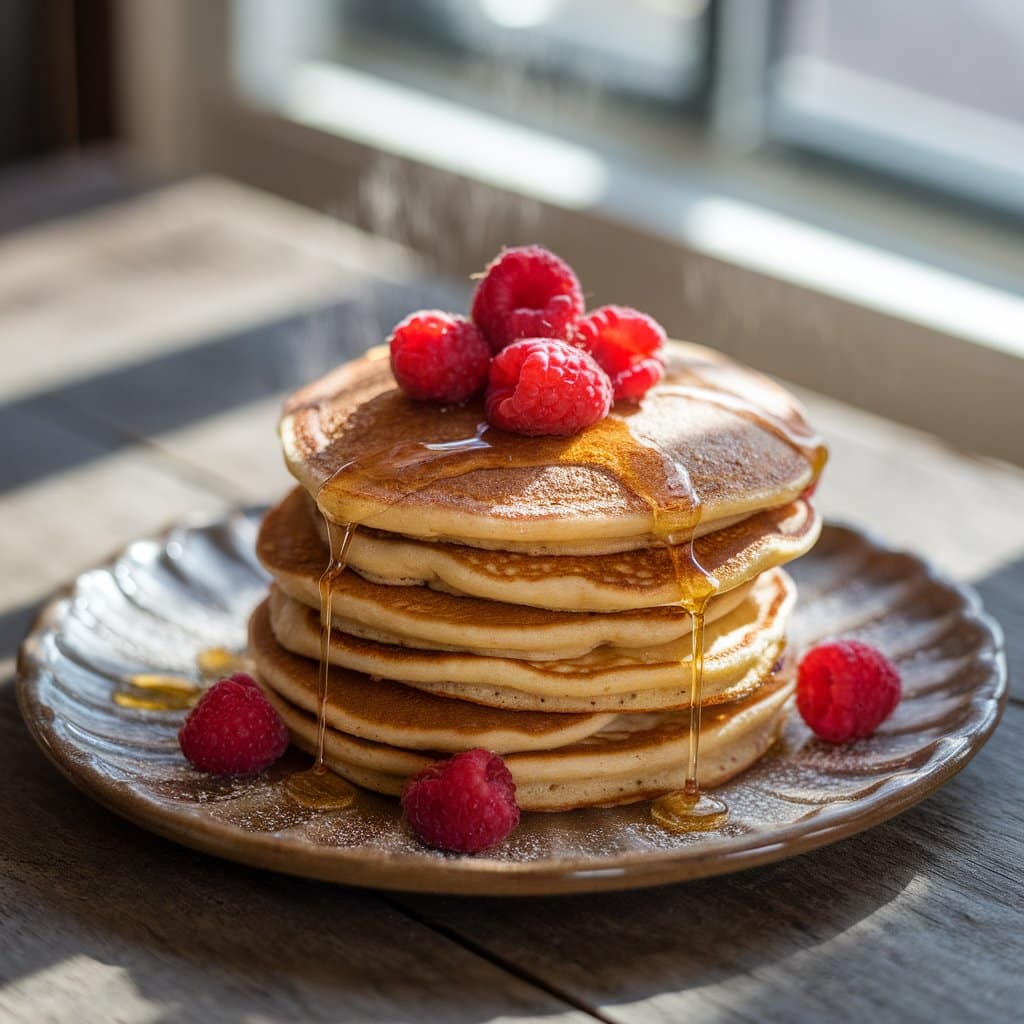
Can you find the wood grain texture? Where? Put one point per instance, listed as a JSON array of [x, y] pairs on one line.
[[1003, 593], [70, 496], [919, 919]]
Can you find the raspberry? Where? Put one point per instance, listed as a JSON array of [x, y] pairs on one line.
[[464, 804], [233, 730], [543, 386], [527, 292], [438, 357], [627, 345], [846, 689]]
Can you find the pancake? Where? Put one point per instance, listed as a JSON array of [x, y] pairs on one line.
[[633, 758], [387, 712], [291, 549], [740, 650], [595, 583], [714, 441]]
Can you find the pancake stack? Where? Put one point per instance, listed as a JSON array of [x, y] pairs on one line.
[[524, 594]]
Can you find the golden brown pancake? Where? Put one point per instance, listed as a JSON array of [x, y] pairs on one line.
[[590, 583], [634, 757], [387, 712], [713, 441], [293, 552], [740, 650]]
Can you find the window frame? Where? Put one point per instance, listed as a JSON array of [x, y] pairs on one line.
[[752, 109]]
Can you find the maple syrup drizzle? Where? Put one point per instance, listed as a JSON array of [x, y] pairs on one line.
[[317, 787], [418, 465], [688, 809]]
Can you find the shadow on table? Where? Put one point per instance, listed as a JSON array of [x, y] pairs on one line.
[[626, 947], [174, 390]]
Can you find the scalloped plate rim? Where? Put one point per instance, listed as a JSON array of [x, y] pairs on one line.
[[450, 875]]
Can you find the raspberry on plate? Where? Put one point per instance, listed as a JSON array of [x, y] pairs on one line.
[[233, 730], [527, 292], [544, 386], [464, 804], [627, 345], [439, 357], [846, 689]]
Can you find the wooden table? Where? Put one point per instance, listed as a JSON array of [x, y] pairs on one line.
[[146, 337]]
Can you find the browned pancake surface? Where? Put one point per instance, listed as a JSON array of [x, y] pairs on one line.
[[730, 429], [389, 712], [290, 544]]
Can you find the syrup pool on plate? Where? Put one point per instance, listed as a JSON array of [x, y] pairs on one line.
[[164, 691], [155, 691]]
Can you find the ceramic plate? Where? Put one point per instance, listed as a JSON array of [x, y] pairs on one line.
[[168, 598]]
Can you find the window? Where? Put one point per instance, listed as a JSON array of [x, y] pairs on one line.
[[933, 92], [649, 49]]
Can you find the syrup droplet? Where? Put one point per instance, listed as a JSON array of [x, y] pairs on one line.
[[158, 691], [320, 789], [683, 811], [151, 691], [218, 662]]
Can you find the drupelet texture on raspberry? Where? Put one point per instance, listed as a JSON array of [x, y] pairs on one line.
[[464, 804], [846, 689], [439, 357], [527, 292], [627, 345], [544, 386], [233, 730]]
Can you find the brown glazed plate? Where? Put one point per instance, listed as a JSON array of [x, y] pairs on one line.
[[162, 601]]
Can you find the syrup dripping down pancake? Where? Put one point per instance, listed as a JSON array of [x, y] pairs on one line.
[[292, 550], [712, 429], [632, 758], [387, 712], [740, 650]]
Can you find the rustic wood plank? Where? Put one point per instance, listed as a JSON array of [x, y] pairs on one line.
[[172, 268], [919, 919], [79, 497], [1003, 594], [912, 491]]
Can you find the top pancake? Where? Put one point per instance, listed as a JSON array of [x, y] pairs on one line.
[[714, 441]]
